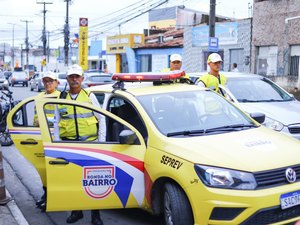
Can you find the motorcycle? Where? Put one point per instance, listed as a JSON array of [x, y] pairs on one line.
[[6, 104]]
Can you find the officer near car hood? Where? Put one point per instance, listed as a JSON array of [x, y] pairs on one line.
[[213, 78]]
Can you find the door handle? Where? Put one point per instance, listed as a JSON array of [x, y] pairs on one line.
[[29, 142], [53, 162]]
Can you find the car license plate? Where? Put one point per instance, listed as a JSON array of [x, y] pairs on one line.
[[290, 199]]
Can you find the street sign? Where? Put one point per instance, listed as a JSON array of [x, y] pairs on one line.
[[213, 44]]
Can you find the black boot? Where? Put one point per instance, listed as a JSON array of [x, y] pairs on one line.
[[96, 219], [42, 202], [75, 216]]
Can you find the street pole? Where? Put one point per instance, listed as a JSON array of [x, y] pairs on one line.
[[27, 42], [67, 34], [44, 37], [212, 18], [13, 47]]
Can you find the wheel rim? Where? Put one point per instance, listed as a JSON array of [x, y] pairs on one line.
[[168, 210]]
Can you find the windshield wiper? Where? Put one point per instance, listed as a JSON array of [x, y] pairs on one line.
[[210, 130], [233, 127], [186, 133]]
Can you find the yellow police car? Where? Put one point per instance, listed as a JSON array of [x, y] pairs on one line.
[[170, 148]]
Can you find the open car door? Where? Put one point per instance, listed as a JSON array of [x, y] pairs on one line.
[[92, 174], [27, 137]]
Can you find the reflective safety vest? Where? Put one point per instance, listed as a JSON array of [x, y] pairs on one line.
[[77, 123], [49, 110], [211, 81]]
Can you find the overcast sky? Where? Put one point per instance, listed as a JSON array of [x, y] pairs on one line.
[[97, 11]]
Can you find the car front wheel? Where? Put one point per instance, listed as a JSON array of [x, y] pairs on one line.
[[177, 209]]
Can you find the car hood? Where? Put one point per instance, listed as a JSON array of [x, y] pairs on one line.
[[250, 150], [284, 112]]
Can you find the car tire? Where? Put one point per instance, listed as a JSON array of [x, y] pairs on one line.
[[177, 209]]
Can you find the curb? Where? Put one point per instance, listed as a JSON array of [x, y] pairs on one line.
[[15, 211]]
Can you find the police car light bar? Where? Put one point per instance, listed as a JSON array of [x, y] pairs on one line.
[[138, 77]]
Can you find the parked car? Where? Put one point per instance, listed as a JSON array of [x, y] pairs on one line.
[[62, 81], [7, 74], [36, 83], [19, 77], [171, 148], [3, 80], [255, 93], [95, 78]]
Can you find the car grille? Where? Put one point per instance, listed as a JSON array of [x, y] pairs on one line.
[[272, 215], [276, 177], [294, 129]]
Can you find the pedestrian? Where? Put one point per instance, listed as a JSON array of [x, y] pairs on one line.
[[234, 68], [213, 78], [50, 82], [175, 64], [79, 125]]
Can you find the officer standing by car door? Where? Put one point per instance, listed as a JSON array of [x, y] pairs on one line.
[[65, 118], [50, 82]]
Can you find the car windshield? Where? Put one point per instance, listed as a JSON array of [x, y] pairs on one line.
[[100, 78], [256, 90], [62, 76], [193, 113]]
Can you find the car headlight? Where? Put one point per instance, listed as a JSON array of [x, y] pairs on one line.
[[225, 178], [273, 124]]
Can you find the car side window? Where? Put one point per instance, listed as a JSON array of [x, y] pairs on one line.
[[125, 110], [24, 117]]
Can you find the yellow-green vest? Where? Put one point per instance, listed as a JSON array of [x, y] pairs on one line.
[[211, 81], [78, 123], [49, 110]]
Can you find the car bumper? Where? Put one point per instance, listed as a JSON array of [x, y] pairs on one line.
[[222, 206]]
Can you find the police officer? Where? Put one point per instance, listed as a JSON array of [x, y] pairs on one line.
[[175, 64], [50, 82], [213, 78], [67, 127]]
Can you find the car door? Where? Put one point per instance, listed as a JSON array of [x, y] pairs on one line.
[[27, 137], [92, 174]]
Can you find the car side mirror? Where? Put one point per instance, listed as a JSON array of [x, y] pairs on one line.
[[128, 137], [259, 117]]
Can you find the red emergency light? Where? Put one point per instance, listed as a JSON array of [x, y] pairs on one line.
[[139, 77]]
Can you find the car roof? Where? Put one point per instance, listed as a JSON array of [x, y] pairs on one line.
[[146, 88], [229, 75]]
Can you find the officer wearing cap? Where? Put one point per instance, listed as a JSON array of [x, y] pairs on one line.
[[79, 125], [213, 78], [50, 82], [175, 64]]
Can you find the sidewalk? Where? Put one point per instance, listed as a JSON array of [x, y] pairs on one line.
[[10, 213]]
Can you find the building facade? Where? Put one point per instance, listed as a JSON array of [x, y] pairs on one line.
[[276, 43], [234, 45]]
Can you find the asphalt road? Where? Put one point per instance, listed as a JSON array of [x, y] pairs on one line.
[[24, 185]]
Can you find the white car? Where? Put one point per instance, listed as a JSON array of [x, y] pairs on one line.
[[255, 93], [62, 81]]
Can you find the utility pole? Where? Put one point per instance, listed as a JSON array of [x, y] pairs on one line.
[[48, 47], [67, 34], [13, 46], [212, 18], [27, 42], [44, 37]]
